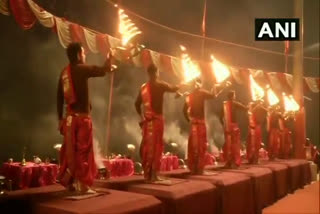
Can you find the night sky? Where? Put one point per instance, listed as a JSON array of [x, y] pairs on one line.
[[32, 60]]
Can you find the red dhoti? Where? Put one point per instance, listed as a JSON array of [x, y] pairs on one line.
[[197, 146], [76, 155], [285, 143], [273, 143], [254, 140], [152, 145], [231, 147]]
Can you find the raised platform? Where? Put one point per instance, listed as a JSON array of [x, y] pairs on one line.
[[263, 185], [298, 173], [179, 173], [305, 177], [188, 197], [280, 177], [120, 183], [234, 190], [226, 191], [113, 202], [52, 200]]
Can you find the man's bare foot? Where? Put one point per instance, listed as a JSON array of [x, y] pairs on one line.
[[87, 190], [90, 191], [157, 178], [84, 189], [71, 188]]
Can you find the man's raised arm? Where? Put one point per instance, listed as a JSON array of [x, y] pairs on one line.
[[240, 106], [97, 71], [170, 88]]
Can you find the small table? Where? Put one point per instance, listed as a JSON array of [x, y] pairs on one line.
[[30, 175], [119, 167], [169, 162]]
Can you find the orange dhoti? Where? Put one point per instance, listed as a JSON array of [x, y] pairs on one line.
[[152, 145], [273, 143], [197, 146], [76, 155], [285, 143], [254, 140], [231, 147]]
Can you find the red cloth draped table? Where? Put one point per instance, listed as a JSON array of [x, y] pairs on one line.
[[169, 162], [31, 175], [187, 197], [209, 159], [263, 184], [235, 191], [280, 175], [51, 200], [119, 167], [305, 171], [294, 173], [299, 171]]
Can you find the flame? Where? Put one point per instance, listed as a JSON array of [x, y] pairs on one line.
[[190, 68], [290, 105], [257, 92], [127, 28], [221, 72], [272, 97]]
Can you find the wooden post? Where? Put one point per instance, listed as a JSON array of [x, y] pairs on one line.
[[107, 143], [300, 125]]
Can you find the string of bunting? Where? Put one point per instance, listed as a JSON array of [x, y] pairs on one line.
[[26, 13]]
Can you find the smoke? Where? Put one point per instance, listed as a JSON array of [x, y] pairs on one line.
[[216, 132], [133, 131], [174, 133], [97, 153]]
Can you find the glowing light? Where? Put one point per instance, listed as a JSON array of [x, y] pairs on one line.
[[127, 28], [190, 68], [272, 97], [131, 147], [290, 105], [257, 92], [57, 146], [220, 71]]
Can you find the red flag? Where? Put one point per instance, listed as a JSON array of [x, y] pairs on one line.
[[286, 47], [204, 18]]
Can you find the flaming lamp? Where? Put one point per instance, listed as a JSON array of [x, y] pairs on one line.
[[272, 97], [291, 107], [257, 93], [220, 71], [128, 32], [190, 68]]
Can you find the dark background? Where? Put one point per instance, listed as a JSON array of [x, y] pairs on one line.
[[30, 63]]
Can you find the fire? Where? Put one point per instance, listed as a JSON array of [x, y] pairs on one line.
[[190, 68], [221, 72], [272, 97], [257, 92], [127, 28], [290, 105]]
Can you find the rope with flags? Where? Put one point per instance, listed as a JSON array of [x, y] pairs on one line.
[[27, 13]]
